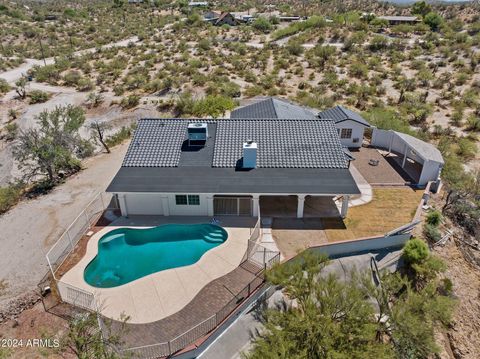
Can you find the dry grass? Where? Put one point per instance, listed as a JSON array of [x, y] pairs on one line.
[[389, 209]]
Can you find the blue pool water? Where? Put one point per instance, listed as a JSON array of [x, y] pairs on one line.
[[126, 254]]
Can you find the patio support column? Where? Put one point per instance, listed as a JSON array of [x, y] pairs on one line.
[[344, 206], [123, 204], [300, 205], [256, 205], [210, 210], [165, 206]]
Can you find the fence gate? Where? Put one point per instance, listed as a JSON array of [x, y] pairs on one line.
[[232, 206]]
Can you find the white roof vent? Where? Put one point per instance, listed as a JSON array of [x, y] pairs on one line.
[[249, 154], [197, 134]]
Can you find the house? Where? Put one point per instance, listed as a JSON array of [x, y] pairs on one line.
[[211, 15], [272, 107], [201, 167], [350, 125], [198, 4], [227, 18], [398, 20]]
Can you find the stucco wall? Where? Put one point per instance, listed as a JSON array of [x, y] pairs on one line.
[[357, 132], [142, 204]]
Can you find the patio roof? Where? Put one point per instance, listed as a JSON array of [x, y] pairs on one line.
[[426, 151]]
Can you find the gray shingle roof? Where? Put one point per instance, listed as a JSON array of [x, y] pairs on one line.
[[340, 113], [281, 143], [273, 108], [156, 143]]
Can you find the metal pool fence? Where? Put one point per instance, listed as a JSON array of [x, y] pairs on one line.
[[206, 326], [65, 245]]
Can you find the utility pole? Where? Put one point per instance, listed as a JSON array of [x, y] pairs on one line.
[[43, 52]]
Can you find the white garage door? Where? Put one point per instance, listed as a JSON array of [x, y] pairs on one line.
[[146, 204]]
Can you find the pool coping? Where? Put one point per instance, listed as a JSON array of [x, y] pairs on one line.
[[160, 294]]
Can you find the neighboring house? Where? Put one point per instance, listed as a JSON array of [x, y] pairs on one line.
[[135, 1], [350, 125], [398, 20], [225, 167], [227, 18], [198, 4], [211, 15]]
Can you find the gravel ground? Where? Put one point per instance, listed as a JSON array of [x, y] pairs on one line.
[[28, 230]]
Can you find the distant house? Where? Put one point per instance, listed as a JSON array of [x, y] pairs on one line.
[[211, 15], [397, 20], [289, 18], [350, 125], [135, 1], [198, 4], [227, 18]]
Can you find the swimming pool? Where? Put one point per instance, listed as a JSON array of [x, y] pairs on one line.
[[127, 254]]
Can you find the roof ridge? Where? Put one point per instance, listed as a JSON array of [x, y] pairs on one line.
[[274, 108]]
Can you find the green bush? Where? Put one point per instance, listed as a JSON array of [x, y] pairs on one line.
[[9, 196], [4, 86], [415, 251], [130, 101], [431, 233], [38, 96], [120, 136], [434, 218]]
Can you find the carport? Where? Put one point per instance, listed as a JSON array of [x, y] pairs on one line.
[[422, 161]]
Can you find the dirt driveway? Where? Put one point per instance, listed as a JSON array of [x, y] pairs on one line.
[[29, 229]]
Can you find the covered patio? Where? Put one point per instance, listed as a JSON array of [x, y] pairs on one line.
[[422, 161], [302, 206]]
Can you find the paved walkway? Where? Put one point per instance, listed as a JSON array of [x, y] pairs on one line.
[[364, 187]]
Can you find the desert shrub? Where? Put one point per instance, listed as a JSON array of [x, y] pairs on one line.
[[9, 196], [434, 218], [38, 96], [130, 101], [431, 233], [262, 24], [467, 149], [11, 131], [4, 86], [124, 133], [415, 251]]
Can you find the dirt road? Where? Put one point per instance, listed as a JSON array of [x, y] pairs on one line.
[[14, 74], [29, 229]]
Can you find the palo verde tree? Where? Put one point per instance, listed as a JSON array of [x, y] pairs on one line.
[[330, 319], [323, 317], [84, 338], [54, 147]]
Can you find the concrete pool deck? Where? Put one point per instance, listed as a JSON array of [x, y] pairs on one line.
[[159, 295]]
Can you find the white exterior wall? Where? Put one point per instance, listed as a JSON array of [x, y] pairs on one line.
[[188, 210], [430, 172], [357, 132], [141, 203]]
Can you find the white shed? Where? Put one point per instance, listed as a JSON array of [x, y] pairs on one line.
[[421, 160]]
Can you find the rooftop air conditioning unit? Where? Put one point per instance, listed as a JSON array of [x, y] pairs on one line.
[[197, 134]]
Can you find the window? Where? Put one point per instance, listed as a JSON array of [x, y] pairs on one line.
[[193, 200], [180, 199], [346, 133]]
